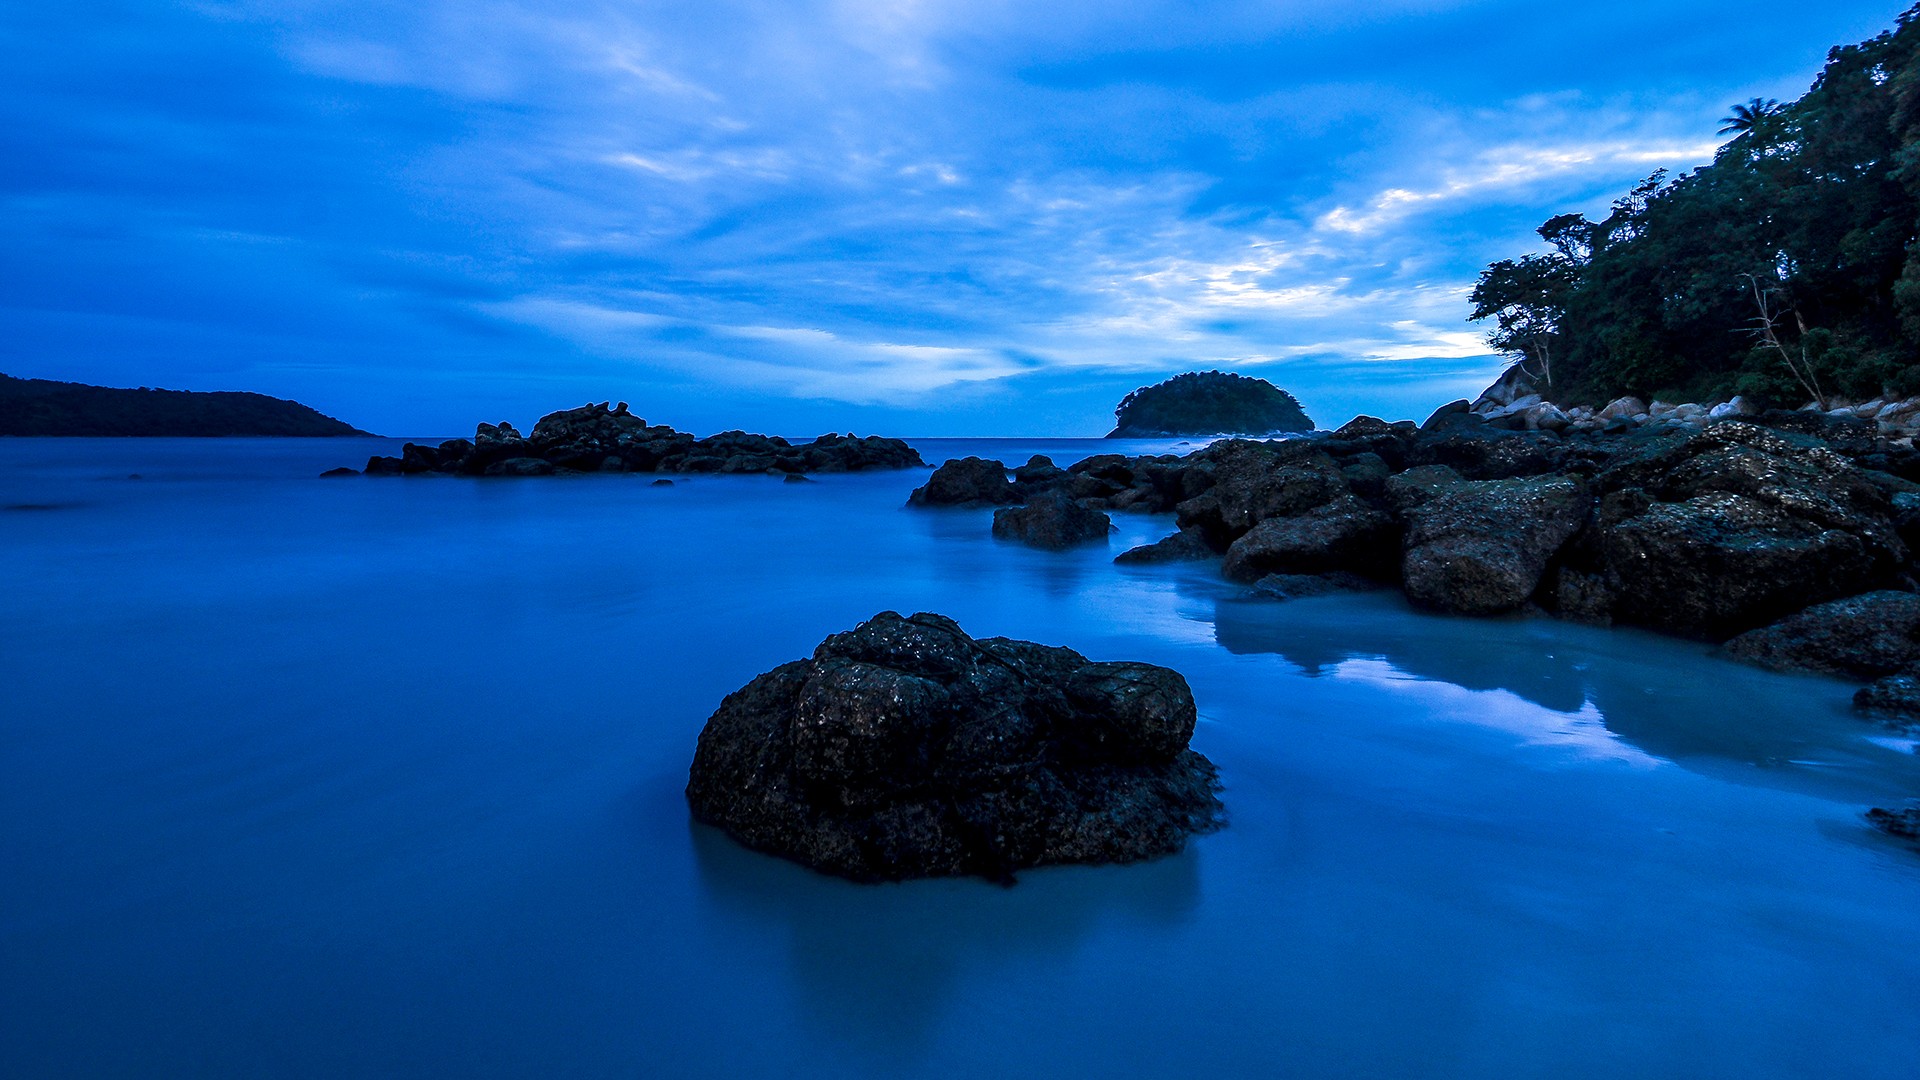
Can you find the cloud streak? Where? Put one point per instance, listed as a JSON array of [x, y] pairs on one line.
[[737, 207]]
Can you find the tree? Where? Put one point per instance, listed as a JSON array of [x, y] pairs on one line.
[[1743, 117]]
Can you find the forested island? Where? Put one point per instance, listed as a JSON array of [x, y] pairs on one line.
[[46, 407], [1208, 403], [1786, 270]]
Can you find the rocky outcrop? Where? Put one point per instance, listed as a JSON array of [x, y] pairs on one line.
[[1893, 699], [904, 748], [1862, 637], [1717, 533], [1051, 522], [610, 439]]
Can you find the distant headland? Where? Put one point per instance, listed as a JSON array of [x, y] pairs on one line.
[[45, 407], [1208, 403]]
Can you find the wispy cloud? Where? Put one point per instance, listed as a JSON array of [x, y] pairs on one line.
[[735, 204]]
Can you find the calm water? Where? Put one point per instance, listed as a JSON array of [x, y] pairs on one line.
[[378, 777]]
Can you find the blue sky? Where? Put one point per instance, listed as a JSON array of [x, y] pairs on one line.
[[920, 218]]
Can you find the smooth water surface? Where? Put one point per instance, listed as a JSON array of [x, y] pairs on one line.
[[377, 777]]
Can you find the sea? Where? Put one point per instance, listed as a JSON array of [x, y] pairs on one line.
[[381, 777]]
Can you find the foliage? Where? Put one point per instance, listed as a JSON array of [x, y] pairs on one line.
[[42, 407], [1208, 403], [1813, 207]]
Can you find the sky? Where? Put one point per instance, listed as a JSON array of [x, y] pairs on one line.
[[917, 217]]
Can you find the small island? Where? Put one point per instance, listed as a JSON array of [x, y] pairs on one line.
[[46, 407], [1208, 403]]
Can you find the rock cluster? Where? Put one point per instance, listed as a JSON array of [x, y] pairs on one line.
[[905, 748], [603, 438]]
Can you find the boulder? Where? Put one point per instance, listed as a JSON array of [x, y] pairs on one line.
[[1345, 534], [1180, 547], [1479, 548], [1864, 637], [1622, 408], [1894, 698], [1254, 481], [1453, 412], [1736, 527], [967, 481], [905, 748], [1052, 522]]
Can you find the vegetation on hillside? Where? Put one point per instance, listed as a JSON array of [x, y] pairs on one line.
[[1787, 268], [1209, 403], [44, 407]]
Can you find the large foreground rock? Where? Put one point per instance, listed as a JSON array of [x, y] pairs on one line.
[[905, 748], [967, 481]]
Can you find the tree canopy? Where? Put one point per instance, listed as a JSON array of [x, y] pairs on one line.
[[1209, 403], [1794, 249]]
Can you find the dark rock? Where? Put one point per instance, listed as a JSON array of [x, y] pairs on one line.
[[1865, 636], [1345, 534], [663, 482], [968, 481], [1736, 527], [1894, 698], [1180, 547], [1361, 427], [905, 749], [1300, 586], [340, 472], [1902, 823], [1451, 413], [1253, 481], [522, 466], [1480, 547], [1052, 522], [798, 478]]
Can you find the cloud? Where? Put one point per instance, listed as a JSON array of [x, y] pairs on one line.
[[743, 205]]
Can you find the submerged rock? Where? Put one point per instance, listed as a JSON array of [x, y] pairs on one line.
[[1052, 522], [1300, 586], [905, 748], [1901, 823]]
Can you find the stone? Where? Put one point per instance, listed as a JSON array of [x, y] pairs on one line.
[[1622, 408], [1051, 522], [1480, 548], [1864, 636], [339, 472], [1893, 698], [905, 748], [1345, 534], [1180, 547], [967, 481], [1300, 586]]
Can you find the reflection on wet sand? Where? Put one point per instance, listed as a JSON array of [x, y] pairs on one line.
[[1707, 714]]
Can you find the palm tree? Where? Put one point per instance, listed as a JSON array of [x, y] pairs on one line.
[[1745, 116]]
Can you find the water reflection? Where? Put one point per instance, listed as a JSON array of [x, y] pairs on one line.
[[878, 964], [1705, 712]]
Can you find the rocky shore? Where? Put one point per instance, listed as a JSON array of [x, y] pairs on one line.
[[610, 439], [904, 749], [1789, 536]]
